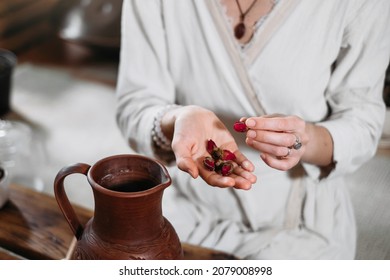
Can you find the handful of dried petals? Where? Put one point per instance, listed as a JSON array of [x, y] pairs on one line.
[[220, 160]]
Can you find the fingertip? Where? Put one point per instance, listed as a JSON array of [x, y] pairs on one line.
[[253, 180], [244, 188], [188, 166], [247, 165], [194, 174], [250, 122]]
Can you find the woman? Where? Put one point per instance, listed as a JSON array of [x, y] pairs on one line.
[[305, 76]]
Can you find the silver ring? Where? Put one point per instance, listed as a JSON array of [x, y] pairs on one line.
[[297, 145]]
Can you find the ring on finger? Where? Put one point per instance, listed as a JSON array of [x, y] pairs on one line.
[[298, 144]]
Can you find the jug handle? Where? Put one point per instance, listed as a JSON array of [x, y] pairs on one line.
[[62, 198]]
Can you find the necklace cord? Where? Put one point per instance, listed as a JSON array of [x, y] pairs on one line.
[[243, 15]]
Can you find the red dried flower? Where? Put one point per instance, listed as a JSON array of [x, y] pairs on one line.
[[209, 163], [220, 160], [240, 126], [211, 146], [217, 153], [213, 150], [225, 168], [228, 155]]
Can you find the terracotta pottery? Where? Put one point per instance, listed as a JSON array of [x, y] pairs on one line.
[[128, 222]]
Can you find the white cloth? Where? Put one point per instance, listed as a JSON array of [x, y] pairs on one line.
[[323, 61]]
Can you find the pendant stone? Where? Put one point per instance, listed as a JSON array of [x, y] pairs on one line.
[[239, 30]]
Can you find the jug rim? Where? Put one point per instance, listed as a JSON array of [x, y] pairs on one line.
[[110, 192]]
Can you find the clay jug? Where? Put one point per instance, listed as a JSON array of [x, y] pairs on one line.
[[128, 222]]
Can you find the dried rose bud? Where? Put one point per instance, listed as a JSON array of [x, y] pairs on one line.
[[225, 168], [218, 165], [214, 150], [209, 163], [217, 153], [220, 160], [228, 155], [211, 146], [240, 126]]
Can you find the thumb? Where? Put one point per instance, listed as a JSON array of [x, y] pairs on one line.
[[187, 164], [184, 160]]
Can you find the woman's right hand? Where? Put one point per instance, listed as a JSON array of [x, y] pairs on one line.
[[190, 127]]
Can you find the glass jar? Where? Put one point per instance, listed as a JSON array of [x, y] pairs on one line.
[[17, 154]]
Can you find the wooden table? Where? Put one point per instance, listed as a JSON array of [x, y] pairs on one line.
[[33, 227]]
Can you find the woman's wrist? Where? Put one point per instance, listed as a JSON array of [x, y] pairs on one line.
[[319, 149], [162, 131]]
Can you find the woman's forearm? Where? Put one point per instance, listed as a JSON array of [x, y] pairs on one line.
[[319, 148]]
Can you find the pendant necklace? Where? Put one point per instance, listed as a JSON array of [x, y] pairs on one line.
[[240, 28]]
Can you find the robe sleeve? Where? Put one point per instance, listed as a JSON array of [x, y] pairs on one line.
[[355, 90], [144, 83]]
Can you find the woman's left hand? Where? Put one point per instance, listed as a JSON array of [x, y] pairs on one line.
[[190, 128], [281, 140]]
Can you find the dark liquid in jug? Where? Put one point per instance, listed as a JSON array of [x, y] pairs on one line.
[[133, 186]]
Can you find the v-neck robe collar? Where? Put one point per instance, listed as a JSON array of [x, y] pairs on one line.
[[242, 58]]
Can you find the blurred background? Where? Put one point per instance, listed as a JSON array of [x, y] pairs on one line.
[[61, 60], [58, 69]]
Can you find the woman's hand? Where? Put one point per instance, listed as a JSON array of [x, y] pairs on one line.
[[190, 127], [283, 141]]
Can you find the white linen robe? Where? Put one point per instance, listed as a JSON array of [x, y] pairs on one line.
[[323, 61]]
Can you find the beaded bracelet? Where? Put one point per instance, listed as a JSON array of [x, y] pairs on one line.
[[158, 137]]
